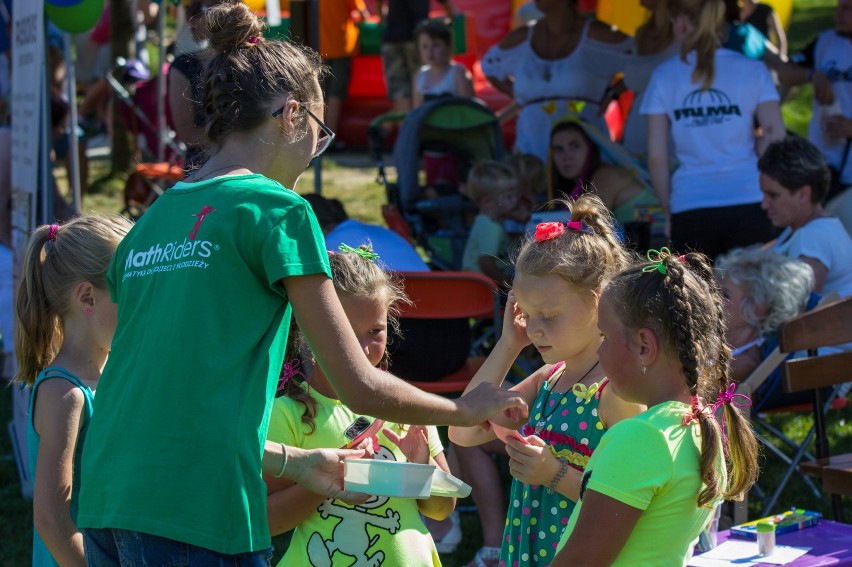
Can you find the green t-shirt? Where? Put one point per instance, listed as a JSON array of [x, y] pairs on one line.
[[176, 440], [382, 531], [650, 462], [487, 238]]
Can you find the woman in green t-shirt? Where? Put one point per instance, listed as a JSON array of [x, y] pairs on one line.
[[206, 283]]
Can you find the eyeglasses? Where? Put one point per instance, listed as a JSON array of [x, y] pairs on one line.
[[326, 136]]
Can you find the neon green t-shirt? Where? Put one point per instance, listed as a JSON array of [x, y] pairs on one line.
[[650, 462], [382, 531], [176, 440]]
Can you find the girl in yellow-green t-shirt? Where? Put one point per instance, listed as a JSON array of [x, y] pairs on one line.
[[381, 531], [656, 478]]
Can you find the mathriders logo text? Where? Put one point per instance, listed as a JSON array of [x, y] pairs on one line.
[[167, 258], [706, 108], [172, 256]]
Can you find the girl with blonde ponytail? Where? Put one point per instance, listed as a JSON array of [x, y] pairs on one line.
[[553, 305], [64, 325], [707, 100]]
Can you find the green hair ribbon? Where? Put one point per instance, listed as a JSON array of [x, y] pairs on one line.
[[656, 258], [365, 251]]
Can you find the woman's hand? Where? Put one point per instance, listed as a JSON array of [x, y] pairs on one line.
[[414, 444], [321, 471], [514, 325], [823, 91], [487, 400], [838, 127], [532, 463]]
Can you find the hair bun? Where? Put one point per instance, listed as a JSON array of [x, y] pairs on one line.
[[231, 25]]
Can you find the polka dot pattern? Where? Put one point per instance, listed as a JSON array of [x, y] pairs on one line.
[[536, 519]]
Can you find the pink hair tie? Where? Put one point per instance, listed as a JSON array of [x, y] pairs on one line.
[[693, 414], [579, 226], [290, 370], [253, 39], [51, 234]]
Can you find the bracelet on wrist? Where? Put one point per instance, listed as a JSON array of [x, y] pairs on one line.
[[557, 478], [284, 462]]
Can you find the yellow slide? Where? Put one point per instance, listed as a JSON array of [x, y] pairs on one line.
[[628, 15]]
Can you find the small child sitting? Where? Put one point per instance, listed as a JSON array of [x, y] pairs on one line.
[[493, 186]]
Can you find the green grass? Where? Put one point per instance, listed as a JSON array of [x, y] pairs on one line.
[[357, 189]]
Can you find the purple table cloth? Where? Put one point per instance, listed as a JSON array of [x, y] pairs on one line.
[[830, 543]]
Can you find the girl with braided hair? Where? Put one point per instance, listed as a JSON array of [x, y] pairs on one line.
[[206, 283], [663, 346]]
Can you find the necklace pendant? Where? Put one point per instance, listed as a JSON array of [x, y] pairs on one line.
[[539, 426]]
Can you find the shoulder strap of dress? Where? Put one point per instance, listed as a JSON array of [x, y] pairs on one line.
[[556, 368], [603, 384], [59, 372]]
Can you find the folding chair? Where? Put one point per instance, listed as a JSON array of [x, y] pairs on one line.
[[764, 429], [826, 326], [454, 295]]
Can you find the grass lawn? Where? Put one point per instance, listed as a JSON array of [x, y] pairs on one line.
[[351, 178]]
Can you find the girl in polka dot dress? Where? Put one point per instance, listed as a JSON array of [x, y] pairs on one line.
[[559, 274]]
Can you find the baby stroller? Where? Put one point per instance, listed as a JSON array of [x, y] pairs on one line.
[[437, 216], [136, 93]]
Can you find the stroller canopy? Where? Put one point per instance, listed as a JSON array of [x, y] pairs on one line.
[[453, 124]]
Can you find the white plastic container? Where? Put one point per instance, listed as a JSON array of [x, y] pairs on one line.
[[388, 478], [445, 484]]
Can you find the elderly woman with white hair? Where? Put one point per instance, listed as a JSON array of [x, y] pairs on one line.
[[762, 289]]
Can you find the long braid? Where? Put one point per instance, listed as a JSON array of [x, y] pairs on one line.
[[681, 313], [688, 340], [742, 444]]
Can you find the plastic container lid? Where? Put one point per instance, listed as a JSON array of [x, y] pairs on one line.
[[763, 527]]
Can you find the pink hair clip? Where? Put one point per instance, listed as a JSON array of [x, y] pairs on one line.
[[253, 39], [51, 234], [548, 230]]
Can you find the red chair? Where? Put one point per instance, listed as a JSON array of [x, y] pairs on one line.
[[454, 295]]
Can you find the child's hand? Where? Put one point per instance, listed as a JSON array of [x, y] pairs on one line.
[[533, 463], [368, 445], [414, 445], [514, 324]]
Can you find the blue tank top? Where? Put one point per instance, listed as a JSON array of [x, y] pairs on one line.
[[41, 556]]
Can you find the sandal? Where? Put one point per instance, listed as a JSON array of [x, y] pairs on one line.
[[486, 554], [452, 538]]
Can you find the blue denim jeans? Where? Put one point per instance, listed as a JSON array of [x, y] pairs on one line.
[[123, 548]]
